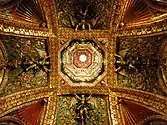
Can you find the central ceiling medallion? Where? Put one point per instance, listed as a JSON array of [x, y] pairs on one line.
[[82, 58], [82, 62]]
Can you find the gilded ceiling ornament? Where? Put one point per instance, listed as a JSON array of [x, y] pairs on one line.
[[25, 78], [83, 14], [29, 64], [156, 27], [26, 66], [25, 48], [124, 62], [81, 20], [120, 63], [137, 59], [81, 105], [82, 109], [82, 62], [79, 66], [42, 63], [2, 102]]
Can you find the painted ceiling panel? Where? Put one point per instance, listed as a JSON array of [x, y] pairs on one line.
[[81, 14], [142, 62], [18, 64]]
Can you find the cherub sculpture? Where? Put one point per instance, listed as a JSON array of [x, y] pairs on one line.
[[82, 105]]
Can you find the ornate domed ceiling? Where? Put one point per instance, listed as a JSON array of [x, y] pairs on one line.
[[83, 62]]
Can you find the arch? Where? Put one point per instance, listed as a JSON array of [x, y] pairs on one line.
[[160, 5], [10, 121], [30, 95], [146, 99], [3, 59], [155, 120], [160, 71]]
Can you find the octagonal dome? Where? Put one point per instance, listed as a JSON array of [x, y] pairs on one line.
[[82, 62]]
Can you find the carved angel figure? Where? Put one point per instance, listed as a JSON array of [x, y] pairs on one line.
[[28, 63], [41, 63], [121, 62], [83, 19], [82, 105], [127, 62]]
